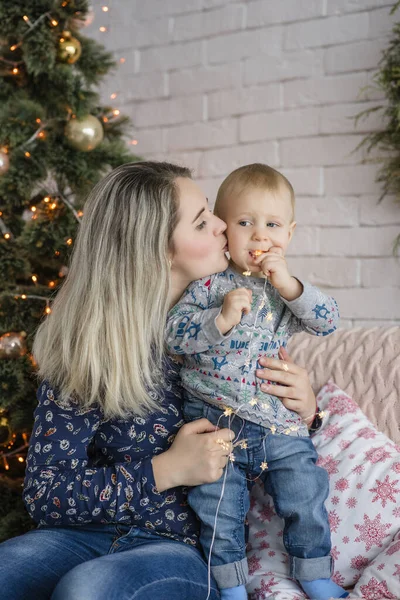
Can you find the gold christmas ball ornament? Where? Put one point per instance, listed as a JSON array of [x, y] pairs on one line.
[[69, 48], [4, 162], [84, 134], [12, 344]]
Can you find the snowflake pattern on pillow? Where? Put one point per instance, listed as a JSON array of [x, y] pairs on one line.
[[363, 507]]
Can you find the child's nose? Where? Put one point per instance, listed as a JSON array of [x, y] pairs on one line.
[[260, 235]]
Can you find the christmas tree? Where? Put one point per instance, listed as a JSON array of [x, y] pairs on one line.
[[56, 141]]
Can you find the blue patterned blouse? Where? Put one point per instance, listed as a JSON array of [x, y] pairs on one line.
[[84, 469]]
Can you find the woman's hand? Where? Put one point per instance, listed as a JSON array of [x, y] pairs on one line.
[[196, 456], [294, 388]]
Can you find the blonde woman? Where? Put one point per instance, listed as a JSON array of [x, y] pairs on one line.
[[109, 456]]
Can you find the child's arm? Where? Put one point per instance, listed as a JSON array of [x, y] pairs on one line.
[[194, 325], [316, 312]]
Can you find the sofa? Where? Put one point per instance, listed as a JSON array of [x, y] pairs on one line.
[[364, 362]]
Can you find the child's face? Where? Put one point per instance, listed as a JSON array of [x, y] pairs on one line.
[[257, 219]]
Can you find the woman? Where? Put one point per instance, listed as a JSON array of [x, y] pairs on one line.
[[109, 453]]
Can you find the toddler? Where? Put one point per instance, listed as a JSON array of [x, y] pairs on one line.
[[223, 325]]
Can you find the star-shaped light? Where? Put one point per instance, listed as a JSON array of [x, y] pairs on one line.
[[228, 411], [247, 273], [232, 457], [264, 466]]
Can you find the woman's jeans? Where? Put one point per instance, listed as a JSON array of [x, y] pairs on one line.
[[101, 562], [297, 486]]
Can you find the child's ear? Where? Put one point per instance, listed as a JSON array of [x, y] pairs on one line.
[[292, 227]]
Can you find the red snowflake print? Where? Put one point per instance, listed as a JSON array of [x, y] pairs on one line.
[[334, 520], [346, 539], [380, 567], [352, 456], [342, 405], [377, 455], [254, 564], [358, 469], [396, 467], [376, 591], [359, 486], [267, 512], [344, 444], [253, 503], [397, 571], [367, 433], [351, 502], [331, 431], [264, 545], [261, 534], [393, 549], [384, 490], [338, 578], [335, 500], [396, 512], [329, 464], [271, 553], [359, 562], [335, 553], [372, 532], [342, 484], [259, 593]]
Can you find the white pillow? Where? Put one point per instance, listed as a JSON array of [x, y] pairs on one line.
[[363, 506]]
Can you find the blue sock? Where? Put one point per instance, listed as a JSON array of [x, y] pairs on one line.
[[322, 589], [235, 593]]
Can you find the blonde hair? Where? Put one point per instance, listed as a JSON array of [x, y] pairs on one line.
[[256, 175], [103, 342]]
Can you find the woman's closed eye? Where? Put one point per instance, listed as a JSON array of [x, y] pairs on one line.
[[201, 225]]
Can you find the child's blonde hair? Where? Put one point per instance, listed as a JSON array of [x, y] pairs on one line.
[[256, 175]]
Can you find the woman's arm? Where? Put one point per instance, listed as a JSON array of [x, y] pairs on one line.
[[293, 385]]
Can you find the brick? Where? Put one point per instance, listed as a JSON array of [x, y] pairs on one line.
[[206, 24], [174, 56], [327, 31], [336, 7], [383, 272], [306, 182], [356, 56], [381, 23], [326, 272], [241, 101], [340, 118], [342, 211], [268, 12], [369, 303], [236, 46], [190, 160], [288, 65], [156, 8], [278, 125], [169, 112], [386, 212], [204, 79], [142, 87], [361, 241], [356, 179], [305, 242], [322, 150], [148, 140], [325, 90], [210, 188], [149, 33], [202, 135], [224, 160]]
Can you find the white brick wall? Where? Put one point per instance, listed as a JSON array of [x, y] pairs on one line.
[[215, 84]]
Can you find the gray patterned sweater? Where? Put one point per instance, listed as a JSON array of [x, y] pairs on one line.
[[220, 369]]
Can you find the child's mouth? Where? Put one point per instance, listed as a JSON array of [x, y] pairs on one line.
[[256, 253]]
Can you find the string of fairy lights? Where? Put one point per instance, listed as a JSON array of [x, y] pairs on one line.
[[52, 201]]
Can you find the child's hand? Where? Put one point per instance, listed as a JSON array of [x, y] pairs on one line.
[[273, 265], [235, 304]]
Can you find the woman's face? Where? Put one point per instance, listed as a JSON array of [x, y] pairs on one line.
[[199, 243]]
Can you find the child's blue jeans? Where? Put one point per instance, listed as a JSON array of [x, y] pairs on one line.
[[101, 562], [298, 488]]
